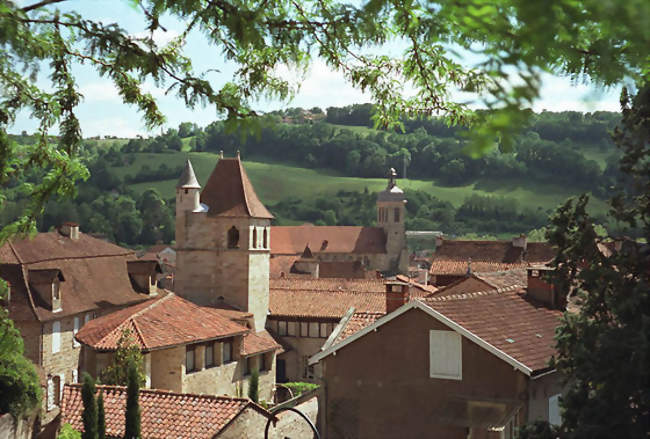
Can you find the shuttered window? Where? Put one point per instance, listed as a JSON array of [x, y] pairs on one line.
[[445, 355], [554, 417], [77, 324], [56, 337]]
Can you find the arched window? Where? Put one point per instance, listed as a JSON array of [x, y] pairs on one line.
[[265, 237], [254, 244], [233, 237], [397, 214], [56, 394]]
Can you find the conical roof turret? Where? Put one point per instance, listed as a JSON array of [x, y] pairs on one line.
[[188, 178]]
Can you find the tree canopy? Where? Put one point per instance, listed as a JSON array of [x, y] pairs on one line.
[[602, 41]]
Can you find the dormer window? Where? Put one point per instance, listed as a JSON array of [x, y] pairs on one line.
[[233, 237], [47, 283]]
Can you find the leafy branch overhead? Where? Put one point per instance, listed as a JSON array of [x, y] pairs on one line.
[[602, 41]]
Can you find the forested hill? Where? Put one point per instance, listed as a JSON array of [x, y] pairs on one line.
[[309, 166]]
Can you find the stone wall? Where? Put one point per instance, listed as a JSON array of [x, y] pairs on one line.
[[168, 369], [12, 429]]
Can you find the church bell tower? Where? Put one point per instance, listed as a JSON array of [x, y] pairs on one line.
[[391, 215]]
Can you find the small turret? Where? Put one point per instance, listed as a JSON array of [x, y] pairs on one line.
[[188, 194]]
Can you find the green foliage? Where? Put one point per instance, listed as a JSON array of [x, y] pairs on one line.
[[132, 415], [590, 39], [127, 354], [89, 415], [604, 347], [253, 386], [299, 388], [101, 417], [67, 432], [20, 391]]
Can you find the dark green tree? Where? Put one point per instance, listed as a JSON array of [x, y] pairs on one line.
[[127, 354], [132, 415], [20, 391], [101, 417], [604, 346], [89, 415], [253, 386]]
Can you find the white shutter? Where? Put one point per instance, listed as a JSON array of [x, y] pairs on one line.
[[77, 323], [445, 355], [87, 317], [75, 376], [50, 394], [61, 384], [554, 417], [56, 337]]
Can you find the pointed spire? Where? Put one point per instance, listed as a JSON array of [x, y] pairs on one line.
[[188, 178], [307, 254]]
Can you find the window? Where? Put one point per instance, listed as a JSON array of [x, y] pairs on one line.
[[265, 237], [75, 376], [313, 329], [189, 359], [209, 355], [56, 337], [396, 217], [554, 417], [56, 390], [248, 365], [254, 243], [263, 362], [304, 329], [233, 237], [291, 328], [88, 317], [445, 355], [323, 330], [282, 328], [226, 354], [55, 291], [77, 324]]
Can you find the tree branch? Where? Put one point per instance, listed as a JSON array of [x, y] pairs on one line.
[[40, 5]]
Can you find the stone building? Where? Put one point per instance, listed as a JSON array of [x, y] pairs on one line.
[[381, 248], [59, 281]]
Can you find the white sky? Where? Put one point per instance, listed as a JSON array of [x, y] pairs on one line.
[[103, 113]]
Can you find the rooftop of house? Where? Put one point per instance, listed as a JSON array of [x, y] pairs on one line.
[[475, 282], [291, 240], [417, 289], [503, 321], [164, 321], [373, 285], [456, 256], [229, 192], [95, 274], [163, 414]]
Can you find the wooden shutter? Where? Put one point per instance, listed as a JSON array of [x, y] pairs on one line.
[[445, 355]]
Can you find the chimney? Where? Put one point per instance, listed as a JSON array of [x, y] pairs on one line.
[[71, 230], [307, 264], [439, 241], [397, 294], [520, 241], [541, 289]]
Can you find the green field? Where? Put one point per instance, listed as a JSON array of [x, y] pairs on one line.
[[275, 182]]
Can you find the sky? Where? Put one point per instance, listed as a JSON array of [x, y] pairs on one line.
[[103, 113]]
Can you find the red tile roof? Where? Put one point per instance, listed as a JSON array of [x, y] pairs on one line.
[[484, 282], [228, 192], [357, 322], [313, 304], [164, 414], [95, 272], [258, 342], [280, 265], [452, 256], [417, 289], [328, 284], [506, 320], [291, 240], [164, 321]]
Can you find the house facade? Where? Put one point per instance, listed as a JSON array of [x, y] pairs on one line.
[[470, 365]]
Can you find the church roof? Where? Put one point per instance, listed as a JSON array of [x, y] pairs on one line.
[[327, 239], [230, 193], [188, 178]]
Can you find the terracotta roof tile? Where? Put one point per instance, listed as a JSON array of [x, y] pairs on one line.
[[357, 322], [280, 265], [258, 342], [228, 192], [329, 284], [164, 414], [323, 304], [487, 256], [417, 289], [164, 321], [506, 320], [95, 273], [291, 240]]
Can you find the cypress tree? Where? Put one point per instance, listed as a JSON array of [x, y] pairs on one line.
[[89, 415], [101, 417], [253, 386], [132, 416]]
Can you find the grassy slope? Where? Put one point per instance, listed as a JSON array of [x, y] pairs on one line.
[[274, 182]]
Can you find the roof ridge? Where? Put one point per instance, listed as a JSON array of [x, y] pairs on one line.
[[13, 249], [243, 189], [463, 296], [164, 392]]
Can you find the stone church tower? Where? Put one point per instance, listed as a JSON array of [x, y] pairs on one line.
[[223, 241], [391, 215]]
